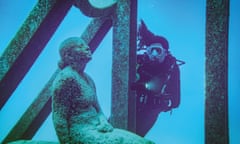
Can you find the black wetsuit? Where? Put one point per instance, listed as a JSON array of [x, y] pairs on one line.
[[151, 103]]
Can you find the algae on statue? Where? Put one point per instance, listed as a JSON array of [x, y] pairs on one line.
[[77, 116]]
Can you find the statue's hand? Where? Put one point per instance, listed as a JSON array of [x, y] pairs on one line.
[[105, 127]]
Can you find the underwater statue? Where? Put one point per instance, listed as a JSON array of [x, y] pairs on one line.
[[77, 116]]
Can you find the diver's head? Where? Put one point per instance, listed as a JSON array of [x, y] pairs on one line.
[[146, 37], [156, 52]]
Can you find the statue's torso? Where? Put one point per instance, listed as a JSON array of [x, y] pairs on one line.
[[77, 99]]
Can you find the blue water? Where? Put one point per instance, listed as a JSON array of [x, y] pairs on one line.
[[182, 23]]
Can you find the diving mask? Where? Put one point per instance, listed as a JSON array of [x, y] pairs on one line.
[[156, 52]]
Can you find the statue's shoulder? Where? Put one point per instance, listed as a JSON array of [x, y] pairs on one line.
[[67, 73], [89, 79], [65, 76]]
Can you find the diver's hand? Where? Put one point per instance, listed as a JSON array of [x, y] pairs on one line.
[[138, 86]]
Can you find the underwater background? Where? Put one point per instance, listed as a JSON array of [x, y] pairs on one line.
[[182, 23]]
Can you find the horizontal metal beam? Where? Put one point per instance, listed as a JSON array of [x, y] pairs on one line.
[[33, 117], [28, 43], [96, 31]]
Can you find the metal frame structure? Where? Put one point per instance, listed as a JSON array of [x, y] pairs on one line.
[[43, 21], [32, 38]]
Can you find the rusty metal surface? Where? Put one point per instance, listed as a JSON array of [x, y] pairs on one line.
[[216, 102]]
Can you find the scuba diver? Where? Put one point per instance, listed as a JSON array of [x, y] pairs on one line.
[[158, 79]]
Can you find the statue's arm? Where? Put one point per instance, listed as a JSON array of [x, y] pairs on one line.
[[62, 91], [104, 126]]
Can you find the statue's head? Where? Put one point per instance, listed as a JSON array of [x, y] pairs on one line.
[[74, 51]]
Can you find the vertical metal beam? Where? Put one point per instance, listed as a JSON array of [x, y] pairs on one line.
[[132, 64], [124, 64], [29, 42], [216, 104]]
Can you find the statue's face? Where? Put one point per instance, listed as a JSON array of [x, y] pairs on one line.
[[81, 52], [74, 51]]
